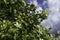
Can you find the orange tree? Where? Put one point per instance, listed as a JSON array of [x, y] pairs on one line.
[[19, 21]]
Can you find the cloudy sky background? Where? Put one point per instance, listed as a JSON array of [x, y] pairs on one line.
[[54, 16]]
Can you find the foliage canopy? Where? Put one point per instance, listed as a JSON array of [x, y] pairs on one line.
[[19, 21]]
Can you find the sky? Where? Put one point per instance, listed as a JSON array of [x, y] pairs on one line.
[[40, 3], [53, 18], [54, 15]]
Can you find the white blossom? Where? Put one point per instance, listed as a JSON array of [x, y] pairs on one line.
[[17, 25]]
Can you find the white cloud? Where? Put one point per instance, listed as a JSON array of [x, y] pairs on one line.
[[54, 15]]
